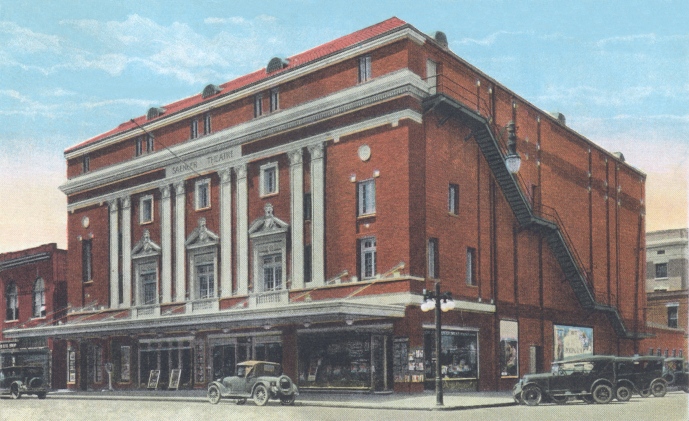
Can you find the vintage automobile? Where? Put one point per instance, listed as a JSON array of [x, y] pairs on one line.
[[591, 379], [23, 380], [259, 380], [640, 375], [676, 373]]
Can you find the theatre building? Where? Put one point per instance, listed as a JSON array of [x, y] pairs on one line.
[[297, 214], [34, 293]]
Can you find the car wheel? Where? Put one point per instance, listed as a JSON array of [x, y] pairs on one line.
[[669, 378], [560, 400], [287, 400], [41, 395], [623, 393], [14, 392], [532, 395], [260, 395], [645, 393], [588, 399], [241, 401], [602, 393], [658, 388], [213, 394]]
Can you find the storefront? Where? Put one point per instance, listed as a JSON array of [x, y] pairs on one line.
[[228, 350], [26, 352], [458, 358]]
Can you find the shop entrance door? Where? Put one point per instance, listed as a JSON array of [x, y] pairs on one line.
[[379, 363], [223, 361], [83, 366]]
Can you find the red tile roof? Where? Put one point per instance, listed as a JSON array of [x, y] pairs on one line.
[[294, 61]]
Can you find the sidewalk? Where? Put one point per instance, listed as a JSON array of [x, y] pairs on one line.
[[402, 401]]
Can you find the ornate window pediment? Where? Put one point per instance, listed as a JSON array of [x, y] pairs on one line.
[[268, 224], [201, 237], [145, 247]]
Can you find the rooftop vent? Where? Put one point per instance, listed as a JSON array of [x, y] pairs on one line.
[[559, 117], [210, 90], [275, 64], [619, 156], [154, 112], [440, 38]]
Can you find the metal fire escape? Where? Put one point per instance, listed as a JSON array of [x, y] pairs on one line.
[[450, 101]]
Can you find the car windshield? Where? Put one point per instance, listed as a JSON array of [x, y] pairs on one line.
[[243, 370]]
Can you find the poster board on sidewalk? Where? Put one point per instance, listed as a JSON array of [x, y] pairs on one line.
[[175, 374], [153, 379]]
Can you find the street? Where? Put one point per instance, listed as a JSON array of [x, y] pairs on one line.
[[670, 408]]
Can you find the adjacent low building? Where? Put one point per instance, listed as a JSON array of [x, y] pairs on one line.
[[297, 214]]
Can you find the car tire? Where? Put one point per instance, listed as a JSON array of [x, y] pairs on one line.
[[658, 388], [669, 378], [241, 401], [623, 393], [602, 393], [644, 393], [261, 395], [531, 395], [560, 400], [287, 400], [588, 399], [41, 395], [14, 392], [213, 394]]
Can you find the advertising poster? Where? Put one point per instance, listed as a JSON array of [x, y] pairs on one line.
[[509, 348], [572, 341]]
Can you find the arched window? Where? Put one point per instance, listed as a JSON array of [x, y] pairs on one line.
[[12, 302], [39, 298]]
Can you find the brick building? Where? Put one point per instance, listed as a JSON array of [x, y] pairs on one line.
[[667, 294], [34, 293], [297, 213]]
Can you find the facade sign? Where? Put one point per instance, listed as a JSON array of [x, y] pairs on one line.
[[71, 366], [572, 341], [203, 163], [509, 348], [8, 345]]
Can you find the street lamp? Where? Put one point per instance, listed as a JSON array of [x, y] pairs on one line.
[[440, 302], [512, 160]]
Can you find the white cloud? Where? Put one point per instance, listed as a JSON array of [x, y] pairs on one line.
[[648, 39], [488, 40], [27, 41]]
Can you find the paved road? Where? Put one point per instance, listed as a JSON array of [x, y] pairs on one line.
[[670, 408]]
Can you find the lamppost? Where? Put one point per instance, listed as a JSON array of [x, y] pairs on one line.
[[512, 159], [441, 302]]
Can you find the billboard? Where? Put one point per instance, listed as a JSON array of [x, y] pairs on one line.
[[572, 341]]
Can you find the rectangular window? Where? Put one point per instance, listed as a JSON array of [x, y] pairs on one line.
[[258, 105], [367, 197], [139, 146], [205, 273], [150, 143], [86, 261], [194, 130], [274, 99], [659, 353], [650, 351], [368, 258], [148, 278], [307, 207], [433, 258], [453, 199], [203, 194], [661, 270], [307, 263], [272, 272], [146, 210], [207, 123], [471, 269], [431, 75], [85, 164], [672, 316], [269, 179], [364, 68]]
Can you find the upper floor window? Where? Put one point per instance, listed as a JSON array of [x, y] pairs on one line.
[[307, 207], [207, 123], [12, 302], [471, 266], [148, 282], [39, 298], [661, 270], [86, 260], [150, 143], [272, 272], [194, 129], [364, 68], [139, 149], [368, 258], [85, 164], [203, 194], [204, 271], [453, 199], [269, 179], [433, 258], [258, 105], [274, 99], [367, 197], [672, 315], [431, 75], [146, 209], [307, 263]]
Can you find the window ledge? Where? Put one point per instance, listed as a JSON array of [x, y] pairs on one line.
[[12, 321], [89, 282], [202, 209], [146, 222], [365, 216], [39, 318], [264, 196]]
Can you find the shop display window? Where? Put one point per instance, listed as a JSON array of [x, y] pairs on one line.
[[342, 361], [458, 358]]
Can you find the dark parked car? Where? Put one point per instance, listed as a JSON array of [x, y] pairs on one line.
[[591, 379], [259, 380], [23, 380], [640, 375], [676, 373]]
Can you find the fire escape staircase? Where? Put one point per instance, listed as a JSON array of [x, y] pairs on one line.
[[548, 225]]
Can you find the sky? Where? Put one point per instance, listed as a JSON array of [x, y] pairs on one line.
[[72, 69]]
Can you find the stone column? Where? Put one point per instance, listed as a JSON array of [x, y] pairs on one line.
[[180, 255], [166, 245], [126, 251], [297, 217], [114, 255], [318, 214], [226, 233], [242, 230]]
